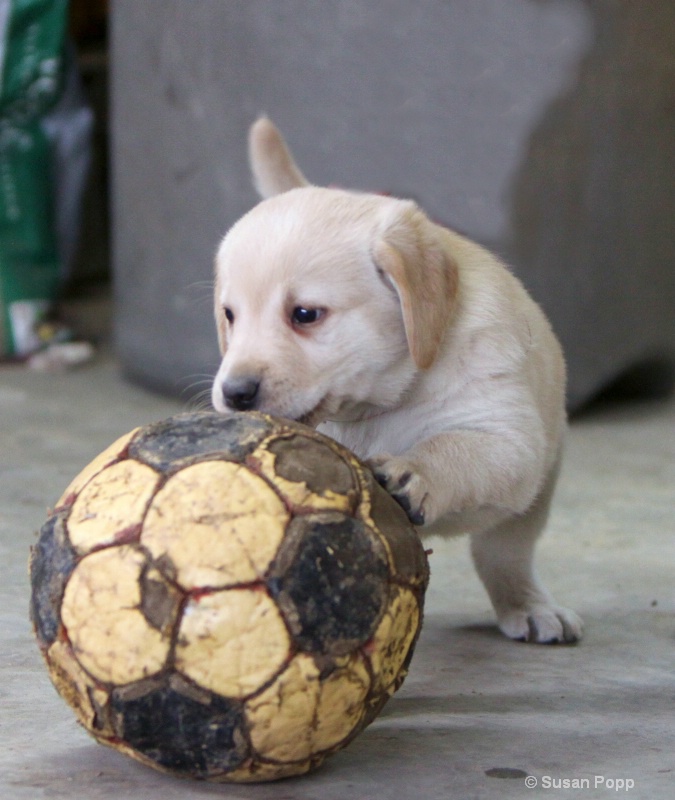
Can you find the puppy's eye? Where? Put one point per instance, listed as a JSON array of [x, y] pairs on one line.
[[306, 316], [229, 316]]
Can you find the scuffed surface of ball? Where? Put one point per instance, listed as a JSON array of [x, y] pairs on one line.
[[227, 598]]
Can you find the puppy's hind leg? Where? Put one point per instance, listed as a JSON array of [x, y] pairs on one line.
[[503, 557]]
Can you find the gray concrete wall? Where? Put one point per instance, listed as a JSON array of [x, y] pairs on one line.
[[542, 129]]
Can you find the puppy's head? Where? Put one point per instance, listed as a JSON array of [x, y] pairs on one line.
[[327, 302]]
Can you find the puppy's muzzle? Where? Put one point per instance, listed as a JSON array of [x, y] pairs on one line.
[[241, 393]]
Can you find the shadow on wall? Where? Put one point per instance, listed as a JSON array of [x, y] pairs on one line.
[[593, 205], [462, 106]]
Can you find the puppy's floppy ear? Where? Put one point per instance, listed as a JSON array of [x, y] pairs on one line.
[[274, 170], [411, 254]]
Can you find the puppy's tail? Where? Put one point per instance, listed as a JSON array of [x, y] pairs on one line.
[[274, 170]]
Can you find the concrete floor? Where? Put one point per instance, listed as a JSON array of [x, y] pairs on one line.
[[477, 712]]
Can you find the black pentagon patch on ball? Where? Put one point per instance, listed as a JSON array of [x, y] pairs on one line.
[[180, 727], [198, 434], [51, 564], [409, 558], [330, 581], [304, 459]]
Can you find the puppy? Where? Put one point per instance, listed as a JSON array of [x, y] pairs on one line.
[[412, 346]]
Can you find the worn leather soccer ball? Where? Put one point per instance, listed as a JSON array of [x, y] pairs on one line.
[[227, 598]]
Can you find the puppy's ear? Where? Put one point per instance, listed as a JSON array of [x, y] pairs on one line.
[[274, 170], [412, 255]]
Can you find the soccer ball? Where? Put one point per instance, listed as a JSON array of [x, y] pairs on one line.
[[227, 597]]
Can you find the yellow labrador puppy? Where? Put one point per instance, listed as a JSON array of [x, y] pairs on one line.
[[414, 347]]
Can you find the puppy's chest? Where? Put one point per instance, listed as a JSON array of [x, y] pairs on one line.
[[371, 437]]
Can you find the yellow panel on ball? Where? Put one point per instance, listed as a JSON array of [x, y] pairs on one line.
[[259, 771], [73, 683], [104, 459], [341, 700], [103, 617], [206, 541], [232, 641], [112, 504], [281, 717], [303, 714], [393, 639]]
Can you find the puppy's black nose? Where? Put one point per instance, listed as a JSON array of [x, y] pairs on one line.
[[241, 394]]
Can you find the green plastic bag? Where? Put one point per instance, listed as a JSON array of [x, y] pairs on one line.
[[32, 51]]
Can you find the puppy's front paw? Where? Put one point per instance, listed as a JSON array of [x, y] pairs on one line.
[[542, 623], [404, 483]]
